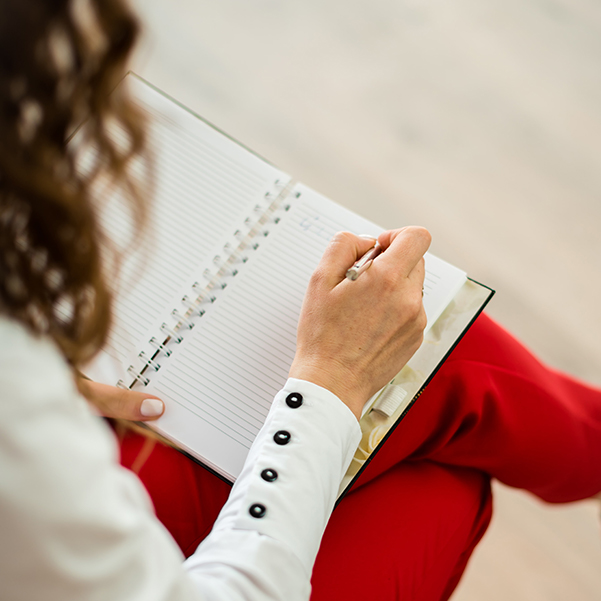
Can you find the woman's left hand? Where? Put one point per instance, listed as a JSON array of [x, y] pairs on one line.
[[121, 403]]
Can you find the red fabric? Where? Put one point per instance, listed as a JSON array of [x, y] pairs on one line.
[[406, 535], [409, 525]]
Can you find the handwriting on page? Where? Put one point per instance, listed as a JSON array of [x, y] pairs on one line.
[[314, 225]]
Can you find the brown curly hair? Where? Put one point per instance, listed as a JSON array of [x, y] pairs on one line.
[[59, 62]]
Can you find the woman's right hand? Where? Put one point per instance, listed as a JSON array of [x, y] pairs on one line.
[[355, 336]]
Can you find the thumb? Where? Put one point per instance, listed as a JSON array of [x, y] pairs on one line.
[[342, 252], [121, 403]]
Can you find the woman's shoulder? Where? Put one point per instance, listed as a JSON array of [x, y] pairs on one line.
[[31, 366], [43, 418], [19, 340]]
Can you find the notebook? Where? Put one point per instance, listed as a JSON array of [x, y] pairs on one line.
[[207, 305]]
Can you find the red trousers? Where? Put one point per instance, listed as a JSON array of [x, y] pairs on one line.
[[411, 522]]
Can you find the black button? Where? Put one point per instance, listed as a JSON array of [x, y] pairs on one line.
[[269, 475], [257, 510], [294, 400], [282, 437]]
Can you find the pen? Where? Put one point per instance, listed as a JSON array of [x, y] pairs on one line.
[[364, 262]]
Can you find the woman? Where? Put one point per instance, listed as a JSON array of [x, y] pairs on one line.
[[75, 525]]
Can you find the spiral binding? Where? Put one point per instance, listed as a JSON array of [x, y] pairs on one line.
[[160, 348], [149, 361], [183, 319], [235, 252], [171, 334], [193, 307], [131, 370]]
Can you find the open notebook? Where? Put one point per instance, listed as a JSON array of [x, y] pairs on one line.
[[206, 309]]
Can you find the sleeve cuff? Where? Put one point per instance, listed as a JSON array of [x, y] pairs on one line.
[[289, 483]]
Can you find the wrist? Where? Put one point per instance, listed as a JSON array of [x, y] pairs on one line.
[[336, 381]]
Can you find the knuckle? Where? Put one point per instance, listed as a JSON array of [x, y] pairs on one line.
[[420, 232], [341, 237], [421, 322], [420, 235], [414, 306], [317, 278]]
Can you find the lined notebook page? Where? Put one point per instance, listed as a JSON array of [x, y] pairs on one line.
[[219, 382], [205, 187]]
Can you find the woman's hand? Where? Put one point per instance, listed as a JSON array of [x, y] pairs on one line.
[[121, 403], [355, 336]]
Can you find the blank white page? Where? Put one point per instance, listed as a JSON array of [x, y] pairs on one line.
[[205, 186], [219, 382]]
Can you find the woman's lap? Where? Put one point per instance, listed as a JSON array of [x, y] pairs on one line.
[[407, 534], [494, 407], [413, 518], [187, 498]]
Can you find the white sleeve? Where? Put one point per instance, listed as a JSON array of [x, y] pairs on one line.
[[264, 543], [75, 525]]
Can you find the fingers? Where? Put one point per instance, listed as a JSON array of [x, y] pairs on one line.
[[342, 252], [404, 249], [354, 336], [121, 403]]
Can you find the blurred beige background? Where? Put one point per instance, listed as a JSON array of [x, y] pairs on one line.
[[480, 121]]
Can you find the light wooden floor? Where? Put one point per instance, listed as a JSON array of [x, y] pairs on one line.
[[479, 120]]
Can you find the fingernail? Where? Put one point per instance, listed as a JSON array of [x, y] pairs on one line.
[[367, 236], [151, 407]]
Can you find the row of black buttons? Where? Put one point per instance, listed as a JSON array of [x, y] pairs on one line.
[[282, 437]]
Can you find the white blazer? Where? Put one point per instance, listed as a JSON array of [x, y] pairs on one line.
[[77, 526]]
